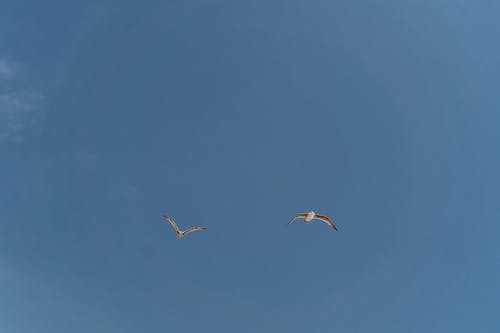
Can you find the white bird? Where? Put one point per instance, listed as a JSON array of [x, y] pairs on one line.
[[308, 217], [180, 233]]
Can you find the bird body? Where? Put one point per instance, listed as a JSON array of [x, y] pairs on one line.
[[180, 233], [308, 217]]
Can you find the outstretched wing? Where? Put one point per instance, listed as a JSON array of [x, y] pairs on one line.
[[194, 229], [298, 216], [327, 220], [171, 221]]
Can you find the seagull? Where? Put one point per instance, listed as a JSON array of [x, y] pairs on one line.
[[308, 217], [180, 233]]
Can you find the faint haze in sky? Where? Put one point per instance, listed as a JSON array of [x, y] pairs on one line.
[[20, 105]]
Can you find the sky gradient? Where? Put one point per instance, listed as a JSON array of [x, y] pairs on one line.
[[236, 115]]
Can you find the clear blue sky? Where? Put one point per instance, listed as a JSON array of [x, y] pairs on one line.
[[236, 115]]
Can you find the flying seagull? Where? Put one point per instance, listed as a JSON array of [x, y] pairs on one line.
[[180, 233], [308, 217]]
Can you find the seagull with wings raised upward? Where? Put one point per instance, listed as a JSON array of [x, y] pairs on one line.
[[308, 217], [180, 233]]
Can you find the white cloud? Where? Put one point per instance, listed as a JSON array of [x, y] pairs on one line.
[[20, 105], [7, 69]]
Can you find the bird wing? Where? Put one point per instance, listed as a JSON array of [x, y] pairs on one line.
[[298, 216], [171, 221], [327, 220], [193, 229]]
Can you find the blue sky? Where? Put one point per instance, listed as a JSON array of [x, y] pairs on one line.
[[236, 115]]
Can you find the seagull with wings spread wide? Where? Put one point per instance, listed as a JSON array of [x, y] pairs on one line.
[[308, 217], [180, 233]]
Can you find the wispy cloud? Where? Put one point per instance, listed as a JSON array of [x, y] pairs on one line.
[[6, 69], [20, 105]]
